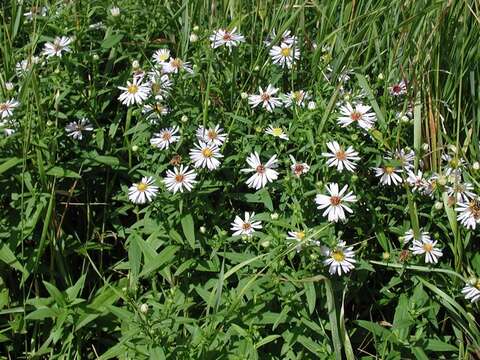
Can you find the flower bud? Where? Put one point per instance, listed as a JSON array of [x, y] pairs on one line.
[[9, 86], [244, 95], [115, 11], [134, 148], [184, 118], [96, 57], [311, 105], [442, 180], [196, 28], [476, 166], [203, 229], [438, 205], [386, 255], [380, 76], [274, 216], [193, 37], [425, 147], [135, 64], [265, 243], [144, 308]]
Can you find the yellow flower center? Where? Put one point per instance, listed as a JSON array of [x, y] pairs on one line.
[[338, 255], [356, 116], [212, 134], [474, 207], [176, 63], [207, 152], [286, 52], [428, 247], [389, 170], [179, 178], [3, 106], [297, 96], [300, 235], [477, 285], [277, 131], [246, 226], [340, 155], [163, 57], [335, 200], [132, 89], [142, 187]]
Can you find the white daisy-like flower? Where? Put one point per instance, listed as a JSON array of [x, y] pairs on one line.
[[276, 132], [472, 291], [154, 112], [461, 191], [469, 213], [263, 174], [284, 55], [298, 168], [6, 108], [206, 155], [175, 65], [143, 192], [57, 47], [405, 157], [341, 158], [228, 38], [299, 98], [160, 85], [286, 38], [165, 137], [418, 182], [247, 226], [454, 166], [180, 179], [410, 235], [298, 237], [136, 92], [115, 11], [35, 11], [360, 114], [6, 126], [161, 56], [398, 89], [388, 175], [213, 135], [427, 246], [334, 202], [75, 129], [266, 98], [340, 259]]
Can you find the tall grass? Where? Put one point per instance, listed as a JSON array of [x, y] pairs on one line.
[[74, 271]]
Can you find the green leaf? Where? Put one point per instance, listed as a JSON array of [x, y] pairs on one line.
[[9, 163], [164, 257], [7, 256], [62, 173], [311, 296], [55, 293], [188, 228], [111, 41]]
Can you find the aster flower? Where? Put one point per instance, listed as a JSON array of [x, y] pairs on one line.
[[340, 259], [206, 155], [135, 92], [160, 85], [266, 98], [398, 89], [143, 192], [360, 114], [426, 246], [213, 135], [276, 132], [472, 291], [405, 157], [175, 65], [154, 112], [165, 137], [284, 55], [388, 175], [335, 202], [6, 108], [454, 165], [298, 98], [298, 237], [22, 67], [247, 226], [76, 129], [228, 38], [180, 179], [35, 11], [161, 56], [410, 235], [418, 182], [286, 38], [469, 213], [341, 158], [461, 191], [263, 174], [298, 168], [57, 47]]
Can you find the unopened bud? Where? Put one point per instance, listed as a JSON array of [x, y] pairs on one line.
[[144, 308]]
